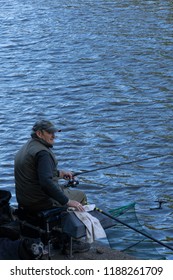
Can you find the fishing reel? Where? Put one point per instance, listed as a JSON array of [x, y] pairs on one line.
[[72, 183]]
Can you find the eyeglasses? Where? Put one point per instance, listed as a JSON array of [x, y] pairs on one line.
[[49, 132]]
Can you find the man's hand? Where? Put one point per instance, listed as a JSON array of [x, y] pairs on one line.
[[67, 175], [75, 204]]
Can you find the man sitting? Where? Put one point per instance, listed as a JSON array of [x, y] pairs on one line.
[[37, 175]]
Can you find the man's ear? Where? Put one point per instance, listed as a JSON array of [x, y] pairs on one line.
[[39, 133]]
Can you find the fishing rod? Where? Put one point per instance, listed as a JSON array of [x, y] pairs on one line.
[[118, 164], [73, 183], [131, 227]]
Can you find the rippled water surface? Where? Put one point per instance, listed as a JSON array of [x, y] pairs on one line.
[[102, 71]]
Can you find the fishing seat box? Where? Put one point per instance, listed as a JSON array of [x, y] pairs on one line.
[[72, 226]]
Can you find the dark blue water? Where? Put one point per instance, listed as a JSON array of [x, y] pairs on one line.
[[102, 72]]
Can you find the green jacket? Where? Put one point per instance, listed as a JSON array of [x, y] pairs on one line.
[[29, 193]]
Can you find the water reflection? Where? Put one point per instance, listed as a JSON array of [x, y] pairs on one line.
[[102, 71]]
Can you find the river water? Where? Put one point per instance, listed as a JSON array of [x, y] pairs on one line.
[[102, 71]]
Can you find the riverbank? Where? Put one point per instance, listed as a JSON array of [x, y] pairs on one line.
[[96, 252]]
